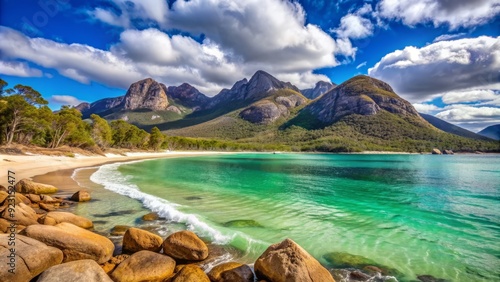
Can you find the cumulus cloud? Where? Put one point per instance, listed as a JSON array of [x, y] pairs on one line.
[[454, 13], [354, 26], [421, 73], [426, 108], [467, 96], [473, 118], [65, 100], [18, 69]]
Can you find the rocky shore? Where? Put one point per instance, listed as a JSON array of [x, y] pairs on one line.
[[41, 241]]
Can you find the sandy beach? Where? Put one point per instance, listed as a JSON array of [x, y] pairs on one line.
[[29, 166]]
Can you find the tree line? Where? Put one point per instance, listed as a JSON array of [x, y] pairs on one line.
[[26, 119]]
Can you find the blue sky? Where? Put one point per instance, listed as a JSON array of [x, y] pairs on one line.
[[441, 55]]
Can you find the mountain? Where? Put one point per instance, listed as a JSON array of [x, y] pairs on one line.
[[99, 106], [450, 128], [145, 94], [362, 95], [492, 132], [319, 89], [188, 96]]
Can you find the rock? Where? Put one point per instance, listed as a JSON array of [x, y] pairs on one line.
[[53, 218], [136, 239], [239, 274], [108, 267], [265, 112], [145, 94], [215, 273], [27, 186], [190, 273], [34, 198], [47, 207], [436, 151], [150, 216], [3, 188], [119, 259], [75, 242], [81, 196], [119, 230], [32, 258], [448, 152], [144, 266], [5, 226], [372, 269], [346, 260], [287, 261], [242, 223], [3, 196], [319, 89], [185, 245], [430, 278], [77, 271], [22, 214]]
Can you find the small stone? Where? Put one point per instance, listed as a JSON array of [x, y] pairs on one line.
[[119, 230], [150, 216], [81, 196]]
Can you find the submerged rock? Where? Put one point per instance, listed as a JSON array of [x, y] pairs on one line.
[[185, 245], [144, 266], [119, 230], [241, 223], [80, 270], [430, 278], [150, 216], [346, 260], [287, 261]]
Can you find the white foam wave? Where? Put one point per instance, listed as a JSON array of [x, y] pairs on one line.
[[109, 176]]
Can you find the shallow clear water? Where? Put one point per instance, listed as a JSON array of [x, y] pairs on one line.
[[418, 214]]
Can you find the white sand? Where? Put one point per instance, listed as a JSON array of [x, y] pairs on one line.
[[28, 166]]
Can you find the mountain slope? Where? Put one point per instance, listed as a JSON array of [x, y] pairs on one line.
[[451, 128], [492, 132], [319, 89]]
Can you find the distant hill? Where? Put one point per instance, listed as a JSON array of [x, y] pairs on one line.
[[319, 89], [492, 132], [362, 113], [451, 128]]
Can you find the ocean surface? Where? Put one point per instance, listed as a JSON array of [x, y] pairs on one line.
[[411, 214]]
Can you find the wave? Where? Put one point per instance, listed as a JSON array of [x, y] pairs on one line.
[[113, 180]]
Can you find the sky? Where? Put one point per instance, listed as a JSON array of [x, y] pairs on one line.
[[441, 55]]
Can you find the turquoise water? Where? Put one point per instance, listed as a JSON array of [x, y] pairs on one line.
[[416, 214]]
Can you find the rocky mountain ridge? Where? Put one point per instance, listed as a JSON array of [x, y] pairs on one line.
[[319, 89]]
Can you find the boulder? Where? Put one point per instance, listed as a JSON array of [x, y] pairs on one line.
[[32, 258], [27, 186], [3, 188], [215, 273], [3, 196], [287, 261], [436, 151], [119, 230], [448, 152], [81, 196], [190, 273], [5, 225], [53, 218], [80, 270], [47, 207], [136, 239], [150, 216], [34, 198], [144, 266], [75, 242], [185, 245], [23, 214]]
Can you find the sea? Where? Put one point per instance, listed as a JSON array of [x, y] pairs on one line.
[[411, 215]]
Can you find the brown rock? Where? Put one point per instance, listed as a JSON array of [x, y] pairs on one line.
[[80, 270], [287, 261], [436, 151], [34, 198], [185, 245], [81, 196], [28, 186], [32, 258], [119, 230], [448, 152], [3, 196], [150, 216], [136, 239], [53, 218], [5, 225], [119, 259], [75, 242], [47, 207], [3, 188], [22, 214], [144, 266], [190, 273], [215, 273], [108, 267], [239, 274]]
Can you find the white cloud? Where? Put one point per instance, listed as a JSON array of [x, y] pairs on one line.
[[454, 13], [355, 27], [65, 100], [446, 37], [466, 96], [18, 69], [473, 118], [421, 73], [361, 65], [426, 108]]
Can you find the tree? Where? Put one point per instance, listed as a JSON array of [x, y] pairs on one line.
[[156, 138], [101, 132], [126, 135], [18, 109], [68, 127], [3, 84]]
